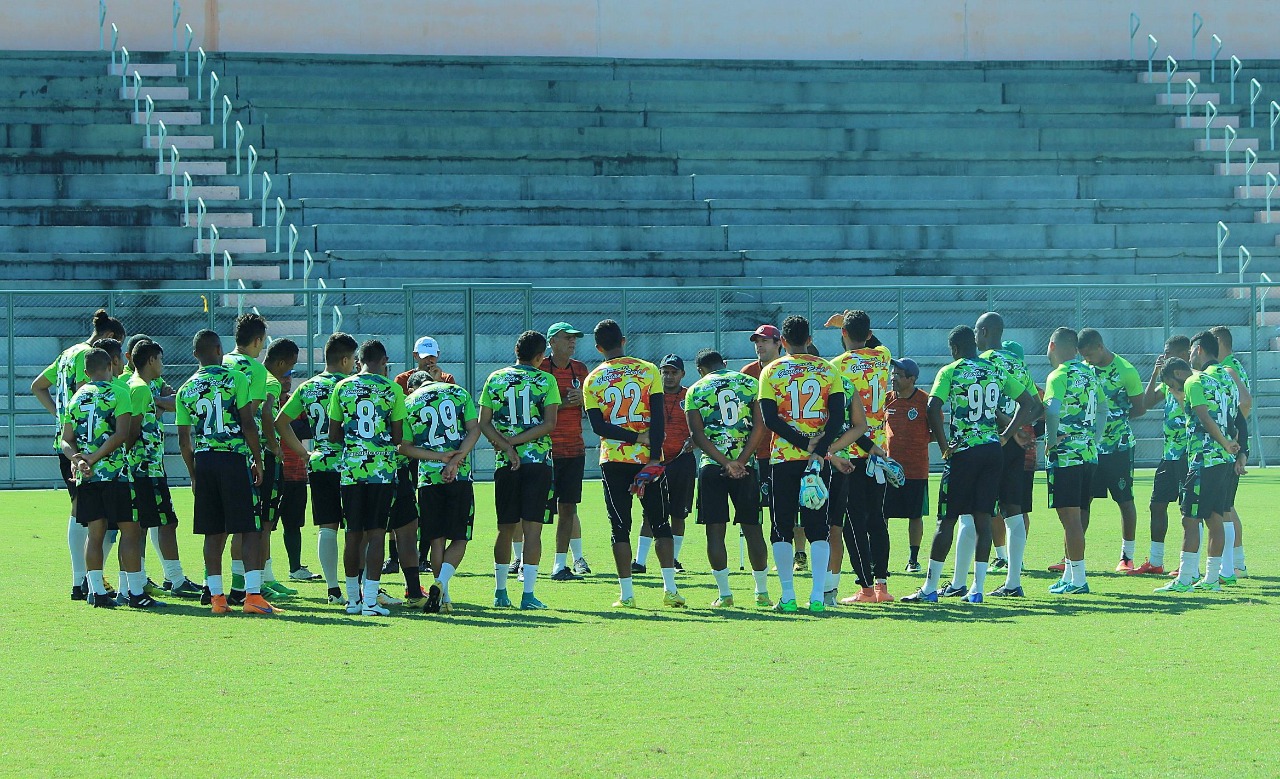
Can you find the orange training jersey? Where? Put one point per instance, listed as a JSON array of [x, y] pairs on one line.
[[765, 447], [908, 432], [801, 385], [620, 388], [868, 370]]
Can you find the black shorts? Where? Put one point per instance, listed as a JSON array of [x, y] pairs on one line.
[[1028, 491], [568, 478], [326, 498], [1013, 458], [152, 503], [1167, 487], [1205, 490], [64, 465], [293, 504], [268, 492], [1233, 486], [1114, 475], [404, 506], [682, 475], [523, 495], [862, 493], [716, 491], [367, 506], [764, 475], [1071, 487], [787, 511], [448, 510], [109, 500], [971, 481], [225, 499], [911, 500], [617, 479]]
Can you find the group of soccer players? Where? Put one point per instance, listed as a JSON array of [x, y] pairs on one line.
[[831, 448]]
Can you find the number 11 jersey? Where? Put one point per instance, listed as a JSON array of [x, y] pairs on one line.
[[622, 389], [518, 396]]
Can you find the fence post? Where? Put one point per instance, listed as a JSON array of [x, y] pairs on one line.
[[469, 335], [13, 401], [902, 326], [309, 300], [719, 320], [624, 311], [1167, 312], [1079, 309], [409, 328], [1253, 370]]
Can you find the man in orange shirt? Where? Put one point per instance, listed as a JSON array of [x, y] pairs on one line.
[[677, 454], [909, 434], [568, 451], [427, 351]]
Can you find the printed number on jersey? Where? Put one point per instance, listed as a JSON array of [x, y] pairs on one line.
[[623, 403], [519, 405], [803, 396], [441, 424], [210, 410], [366, 419], [983, 401], [732, 408], [319, 420]]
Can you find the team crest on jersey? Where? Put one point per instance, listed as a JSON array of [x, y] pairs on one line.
[[912, 414]]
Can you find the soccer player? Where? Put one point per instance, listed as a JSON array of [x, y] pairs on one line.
[[281, 357], [907, 437], [444, 428], [1123, 386], [52, 389], [518, 408], [152, 502], [677, 454], [293, 495], [971, 390], [867, 368], [1228, 360], [95, 430], [623, 399], [366, 417], [251, 337], [1172, 470], [312, 399], [723, 413], [802, 401], [1207, 400], [568, 450], [218, 436]]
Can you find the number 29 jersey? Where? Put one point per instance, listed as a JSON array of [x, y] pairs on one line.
[[622, 390], [972, 391], [210, 401], [437, 417], [802, 386]]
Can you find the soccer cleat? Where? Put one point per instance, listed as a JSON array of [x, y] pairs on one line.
[[638, 568], [973, 597], [303, 575], [1059, 567], [816, 607], [335, 600], [279, 589], [500, 599], [104, 601], [257, 605], [1004, 591], [625, 603], [385, 599], [446, 607], [1174, 586], [920, 596], [432, 606], [78, 592], [152, 589], [1203, 586], [218, 604], [912, 567], [520, 576], [679, 566], [390, 566], [580, 566], [1076, 589], [802, 562], [530, 603], [565, 574], [952, 590], [515, 566], [1125, 565], [999, 564], [375, 610], [882, 593], [673, 600], [417, 601], [829, 597], [787, 606], [186, 589], [122, 598], [145, 601], [354, 607], [1227, 580], [1147, 569], [1242, 573], [723, 602], [763, 600], [205, 596], [864, 595], [1059, 586], [236, 597]]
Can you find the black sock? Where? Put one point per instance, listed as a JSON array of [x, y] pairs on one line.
[[915, 555], [411, 583], [335, 592], [393, 553], [293, 545]]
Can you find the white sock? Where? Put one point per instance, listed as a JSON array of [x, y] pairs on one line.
[[154, 535], [173, 571], [500, 573], [627, 591], [214, 583], [833, 581], [237, 568], [560, 563], [253, 582], [1213, 568], [1156, 555], [353, 589], [575, 546], [1002, 553], [762, 581], [1229, 549], [1076, 569], [1189, 567], [108, 541], [669, 579], [77, 535], [966, 547], [530, 578], [722, 581], [142, 560], [137, 580], [642, 550], [1239, 557], [446, 573], [97, 585], [931, 578], [1126, 549], [370, 592], [820, 560], [676, 543], [327, 551], [518, 548], [268, 575], [1016, 530], [784, 556], [979, 576]]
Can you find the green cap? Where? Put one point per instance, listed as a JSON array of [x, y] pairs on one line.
[[563, 327], [1014, 348]]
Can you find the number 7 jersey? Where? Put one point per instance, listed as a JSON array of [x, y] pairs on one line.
[[622, 389]]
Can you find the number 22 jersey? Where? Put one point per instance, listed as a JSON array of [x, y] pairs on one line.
[[622, 390]]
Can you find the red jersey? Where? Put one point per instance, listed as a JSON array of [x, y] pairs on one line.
[[763, 450], [566, 438], [403, 379], [907, 428], [675, 424]]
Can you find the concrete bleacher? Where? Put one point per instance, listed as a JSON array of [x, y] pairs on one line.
[[584, 176]]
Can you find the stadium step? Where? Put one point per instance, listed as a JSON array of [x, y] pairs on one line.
[[1178, 98], [233, 245], [1219, 144], [209, 194], [193, 167], [1219, 122], [248, 273], [222, 219], [180, 141], [1163, 78], [258, 299], [1237, 169], [170, 118], [145, 70], [156, 93]]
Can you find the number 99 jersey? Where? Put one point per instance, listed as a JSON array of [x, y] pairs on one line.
[[437, 416], [723, 400], [210, 401], [972, 391], [801, 385], [868, 370], [621, 389]]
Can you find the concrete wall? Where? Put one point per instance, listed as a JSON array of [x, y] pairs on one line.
[[733, 29]]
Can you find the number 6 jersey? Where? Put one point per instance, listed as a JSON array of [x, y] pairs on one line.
[[621, 389], [210, 402], [972, 391], [723, 399]]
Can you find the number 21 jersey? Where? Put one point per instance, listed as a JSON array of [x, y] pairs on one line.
[[622, 389], [210, 401]]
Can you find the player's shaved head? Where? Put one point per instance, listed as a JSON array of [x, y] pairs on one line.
[[339, 347], [109, 345], [709, 359], [144, 353], [1178, 346], [608, 335], [1089, 340], [417, 379], [857, 325], [1223, 334], [207, 347], [962, 341], [796, 334], [97, 362], [989, 330], [1065, 338], [281, 351], [530, 346], [372, 352]]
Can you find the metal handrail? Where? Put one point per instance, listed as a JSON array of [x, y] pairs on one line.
[[1152, 45], [1224, 233], [1262, 295], [1228, 140], [1271, 187], [1275, 117], [226, 269], [280, 209], [335, 320], [307, 265], [186, 53], [239, 143], [177, 15], [201, 210], [213, 246], [266, 193], [320, 298], [1210, 113], [186, 196], [293, 244], [1236, 67], [102, 21], [214, 82], [174, 156], [1213, 59], [124, 67], [115, 36], [1170, 68], [240, 299], [151, 109], [1192, 90], [1197, 22], [201, 58], [1134, 23], [253, 164], [226, 114], [1250, 159], [1243, 258], [1255, 92], [137, 90], [162, 132]]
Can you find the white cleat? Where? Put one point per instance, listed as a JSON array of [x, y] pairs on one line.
[[374, 610]]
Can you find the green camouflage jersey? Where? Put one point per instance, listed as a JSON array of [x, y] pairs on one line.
[[1214, 390], [1120, 382], [851, 394], [1075, 386], [972, 390], [210, 402], [311, 398], [1177, 439], [94, 411], [65, 375], [1015, 368], [274, 388], [437, 416], [1233, 362], [723, 400], [146, 456], [255, 373], [519, 396], [365, 405]]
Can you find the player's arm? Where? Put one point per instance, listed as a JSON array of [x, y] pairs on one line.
[[1052, 416], [779, 426], [119, 437], [68, 443], [836, 407], [1029, 410], [1100, 418], [188, 452], [267, 412], [1211, 426], [657, 423], [1137, 395], [284, 429], [498, 440], [549, 414], [857, 432], [610, 431], [250, 429], [40, 389], [937, 427], [758, 431], [1154, 393], [167, 400], [1246, 399], [698, 432], [335, 419]]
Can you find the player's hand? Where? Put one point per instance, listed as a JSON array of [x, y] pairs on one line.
[[256, 469], [688, 447], [1233, 447], [80, 463], [813, 444], [1241, 470], [435, 372], [450, 471], [573, 397], [946, 452], [1160, 361], [277, 449], [1024, 439], [877, 451], [643, 438], [841, 464], [735, 470], [513, 459], [193, 483]]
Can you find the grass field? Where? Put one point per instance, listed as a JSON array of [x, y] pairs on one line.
[[1119, 683]]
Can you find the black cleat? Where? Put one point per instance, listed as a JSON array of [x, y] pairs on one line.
[[79, 592], [565, 574], [105, 601], [432, 606], [206, 597], [679, 567], [952, 591], [638, 568], [235, 598], [145, 601], [390, 566]]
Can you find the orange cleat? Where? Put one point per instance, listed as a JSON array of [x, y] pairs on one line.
[[1147, 568], [864, 595], [1059, 567], [882, 593], [256, 604], [1125, 565], [218, 604]]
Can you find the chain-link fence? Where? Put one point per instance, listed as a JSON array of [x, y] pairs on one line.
[[477, 324]]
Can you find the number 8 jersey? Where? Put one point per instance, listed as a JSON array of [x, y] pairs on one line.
[[972, 391], [210, 402], [621, 389], [801, 385], [365, 405]]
